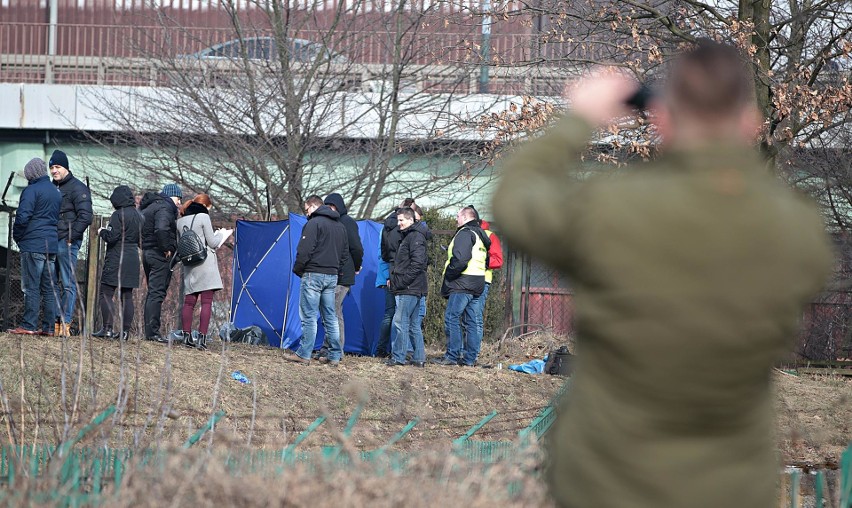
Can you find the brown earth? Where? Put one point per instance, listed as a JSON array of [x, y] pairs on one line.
[[170, 393]]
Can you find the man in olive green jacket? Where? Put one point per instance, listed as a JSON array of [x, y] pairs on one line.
[[689, 275]]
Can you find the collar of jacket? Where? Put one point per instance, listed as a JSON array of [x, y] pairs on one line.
[[65, 180], [714, 157], [195, 208], [325, 211], [473, 223]]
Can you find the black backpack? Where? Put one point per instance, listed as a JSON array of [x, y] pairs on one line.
[[191, 250], [559, 362]]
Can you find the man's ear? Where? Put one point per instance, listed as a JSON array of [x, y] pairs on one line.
[[661, 116], [750, 123]]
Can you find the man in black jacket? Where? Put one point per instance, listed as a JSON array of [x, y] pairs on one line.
[[159, 242], [322, 253], [352, 266], [464, 281], [408, 285], [388, 244], [75, 216]]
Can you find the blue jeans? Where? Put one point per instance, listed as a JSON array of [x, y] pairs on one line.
[[406, 321], [421, 313], [37, 282], [67, 257], [479, 303], [463, 304], [316, 295]]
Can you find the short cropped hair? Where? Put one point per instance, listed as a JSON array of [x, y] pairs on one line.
[[313, 201], [712, 80], [470, 212], [408, 213]]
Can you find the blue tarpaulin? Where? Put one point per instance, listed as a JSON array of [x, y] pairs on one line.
[[266, 292]]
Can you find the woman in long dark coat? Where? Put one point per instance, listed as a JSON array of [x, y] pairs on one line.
[[121, 263]]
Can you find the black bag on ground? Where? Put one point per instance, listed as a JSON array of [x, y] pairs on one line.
[[252, 335], [559, 362], [191, 250]]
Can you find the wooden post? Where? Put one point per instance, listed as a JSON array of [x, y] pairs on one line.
[[92, 276]]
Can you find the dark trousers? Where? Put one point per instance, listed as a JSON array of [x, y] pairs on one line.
[[158, 275], [384, 347], [108, 307], [38, 284]]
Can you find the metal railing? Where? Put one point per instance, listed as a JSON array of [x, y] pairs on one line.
[[132, 55]]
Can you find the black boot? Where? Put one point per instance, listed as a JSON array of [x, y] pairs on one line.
[[104, 332]]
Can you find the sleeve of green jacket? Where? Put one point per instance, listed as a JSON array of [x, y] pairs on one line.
[[538, 200]]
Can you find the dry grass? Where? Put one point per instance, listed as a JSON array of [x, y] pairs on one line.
[[168, 393], [52, 387]]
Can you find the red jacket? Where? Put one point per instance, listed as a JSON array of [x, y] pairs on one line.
[[495, 252]]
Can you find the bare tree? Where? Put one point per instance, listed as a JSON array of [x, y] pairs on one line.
[[301, 99], [800, 51]]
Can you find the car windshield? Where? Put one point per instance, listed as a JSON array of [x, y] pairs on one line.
[[264, 48]]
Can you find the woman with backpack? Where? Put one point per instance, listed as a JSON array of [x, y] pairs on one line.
[[123, 236], [200, 277]]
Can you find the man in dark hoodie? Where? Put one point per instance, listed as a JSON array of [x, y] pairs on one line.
[[35, 233], [388, 244], [322, 253], [352, 266], [159, 242], [409, 285], [464, 281], [75, 216]]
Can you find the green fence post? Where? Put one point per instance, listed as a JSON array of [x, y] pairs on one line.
[[286, 452], [460, 441], [352, 420], [207, 426], [846, 478], [795, 483], [540, 425], [399, 435], [818, 481], [85, 430]]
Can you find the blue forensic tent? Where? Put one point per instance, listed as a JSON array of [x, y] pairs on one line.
[[266, 292]]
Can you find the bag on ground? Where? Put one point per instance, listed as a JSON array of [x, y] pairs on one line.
[[252, 335], [559, 362]]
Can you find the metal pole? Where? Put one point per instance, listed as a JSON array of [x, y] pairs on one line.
[[486, 46], [51, 41], [91, 279], [7, 284]]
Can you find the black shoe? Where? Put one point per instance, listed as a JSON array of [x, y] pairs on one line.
[[123, 336], [443, 361], [195, 339], [393, 363], [103, 333], [462, 364], [417, 364], [157, 338], [382, 354]]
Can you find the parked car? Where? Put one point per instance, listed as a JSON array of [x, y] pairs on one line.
[[266, 48]]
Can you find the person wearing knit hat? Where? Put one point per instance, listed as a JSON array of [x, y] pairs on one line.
[[58, 158], [172, 190], [35, 169], [159, 243], [35, 233], [75, 216]]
